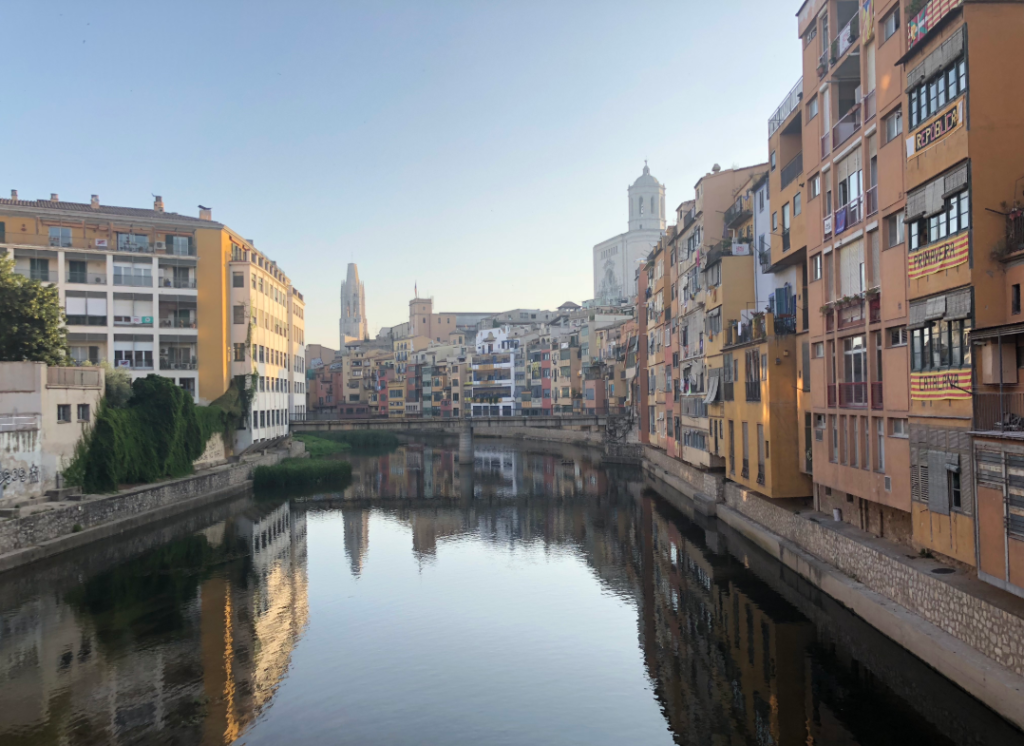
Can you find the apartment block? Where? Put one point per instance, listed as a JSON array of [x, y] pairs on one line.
[[852, 206]]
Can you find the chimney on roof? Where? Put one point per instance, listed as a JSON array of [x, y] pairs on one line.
[[95, 201], [54, 197], [14, 194], [158, 203], [205, 213]]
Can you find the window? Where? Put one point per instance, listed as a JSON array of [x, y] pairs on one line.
[[796, 204], [819, 349], [952, 219], [897, 336], [39, 269], [819, 427], [63, 413], [891, 24], [775, 221], [773, 160], [816, 267], [132, 242], [894, 227], [83, 412], [927, 98], [60, 236], [1015, 299], [815, 185], [835, 438], [760, 201], [237, 280], [812, 108], [239, 314], [879, 445], [898, 427], [941, 344], [239, 352], [953, 487], [894, 125]]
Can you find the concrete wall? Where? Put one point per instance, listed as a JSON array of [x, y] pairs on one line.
[[994, 627], [152, 500], [683, 477]]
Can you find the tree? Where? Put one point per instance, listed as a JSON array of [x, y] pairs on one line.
[[33, 320]]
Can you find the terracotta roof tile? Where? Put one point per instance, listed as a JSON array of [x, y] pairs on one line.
[[108, 210]]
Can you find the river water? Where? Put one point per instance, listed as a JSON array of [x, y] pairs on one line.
[[538, 598]]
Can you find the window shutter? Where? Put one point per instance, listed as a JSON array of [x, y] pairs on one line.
[[917, 315], [955, 181], [915, 204], [958, 304], [938, 497], [933, 200], [74, 306]]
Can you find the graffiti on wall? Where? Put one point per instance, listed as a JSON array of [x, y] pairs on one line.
[[9, 476]]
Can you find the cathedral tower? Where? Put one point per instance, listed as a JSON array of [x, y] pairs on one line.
[[353, 323]]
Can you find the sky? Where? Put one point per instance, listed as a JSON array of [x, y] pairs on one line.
[[477, 150]]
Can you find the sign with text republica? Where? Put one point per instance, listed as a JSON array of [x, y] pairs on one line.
[[938, 129]]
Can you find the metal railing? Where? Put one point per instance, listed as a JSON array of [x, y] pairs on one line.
[[78, 377], [177, 324], [826, 143], [753, 390], [176, 282], [830, 320], [849, 214], [134, 281], [792, 169], [851, 315], [875, 309], [846, 127], [853, 395], [999, 412], [170, 364], [42, 275], [871, 201], [736, 213], [86, 278], [877, 401], [827, 225], [789, 103], [846, 38]]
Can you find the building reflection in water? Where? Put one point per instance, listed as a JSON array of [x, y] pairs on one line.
[[186, 643], [190, 642]]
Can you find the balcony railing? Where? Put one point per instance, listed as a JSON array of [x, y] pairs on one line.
[[75, 377], [792, 169], [736, 214], [177, 282], [789, 103], [830, 391], [846, 38], [134, 281], [871, 201], [177, 324], [849, 214], [853, 395], [753, 390], [999, 412], [175, 364], [830, 320], [870, 106], [42, 275], [847, 126], [826, 143], [823, 64], [877, 401], [875, 309], [86, 278], [851, 315]]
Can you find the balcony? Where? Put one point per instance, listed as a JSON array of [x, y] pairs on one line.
[[853, 395], [849, 214], [999, 413], [871, 201], [877, 401], [823, 64], [786, 108], [875, 309], [73, 377], [830, 396], [753, 390], [753, 330], [847, 126], [826, 144], [180, 283], [42, 275], [842, 43], [830, 320], [736, 214], [175, 323], [174, 363], [133, 281], [792, 169], [851, 315]]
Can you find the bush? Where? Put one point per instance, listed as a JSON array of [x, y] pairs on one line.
[[360, 438], [319, 448], [117, 385], [294, 474], [157, 435]]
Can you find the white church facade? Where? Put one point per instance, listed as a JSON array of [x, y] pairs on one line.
[[616, 259]]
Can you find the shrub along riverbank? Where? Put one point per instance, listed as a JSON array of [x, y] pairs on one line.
[[317, 447], [296, 474], [358, 438]]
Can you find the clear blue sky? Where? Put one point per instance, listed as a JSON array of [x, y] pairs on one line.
[[479, 148]]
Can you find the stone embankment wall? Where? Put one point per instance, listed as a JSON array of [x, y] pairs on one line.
[[996, 632], [593, 437], [689, 480], [34, 529]]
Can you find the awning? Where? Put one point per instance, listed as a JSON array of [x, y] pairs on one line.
[[996, 331], [712, 390]]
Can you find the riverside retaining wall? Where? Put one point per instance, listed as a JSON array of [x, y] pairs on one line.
[[92, 512], [996, 632]]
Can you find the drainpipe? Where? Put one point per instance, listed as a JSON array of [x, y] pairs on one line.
[[1002, 416]]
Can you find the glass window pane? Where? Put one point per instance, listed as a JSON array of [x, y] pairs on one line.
[[963, 75], [963, 210], [942, 91]]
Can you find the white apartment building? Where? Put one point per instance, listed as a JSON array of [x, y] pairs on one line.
[[492, 371]]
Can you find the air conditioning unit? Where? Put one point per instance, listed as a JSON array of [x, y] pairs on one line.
[[160, 245]]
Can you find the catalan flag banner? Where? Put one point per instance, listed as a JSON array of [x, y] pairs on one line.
[[945, 384], [934, 259]]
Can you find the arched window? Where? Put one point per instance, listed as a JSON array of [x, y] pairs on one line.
[[653, 210], [641, 201]]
